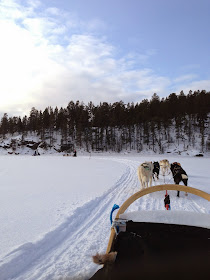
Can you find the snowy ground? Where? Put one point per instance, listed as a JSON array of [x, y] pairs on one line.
[[54, 210]]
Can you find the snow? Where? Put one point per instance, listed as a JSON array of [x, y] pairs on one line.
[[54, 210], [169, 217]]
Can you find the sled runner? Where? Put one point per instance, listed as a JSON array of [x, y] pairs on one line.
[[157, 244]]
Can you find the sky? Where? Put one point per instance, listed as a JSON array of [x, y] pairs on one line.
[[55, 51]]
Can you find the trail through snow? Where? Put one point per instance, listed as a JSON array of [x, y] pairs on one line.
[[65, 252]]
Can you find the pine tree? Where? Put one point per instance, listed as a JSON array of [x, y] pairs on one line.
[[4, 125]]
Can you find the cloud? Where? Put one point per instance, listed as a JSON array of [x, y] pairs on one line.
[[194, 86], [48, 60], [189, 82], [185, 78]]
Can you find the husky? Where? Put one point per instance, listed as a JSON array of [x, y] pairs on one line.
[[145, 172], [179, 174], [164, 166], [156, 170]]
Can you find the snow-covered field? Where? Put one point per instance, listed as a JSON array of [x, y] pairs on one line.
[[54, 210]]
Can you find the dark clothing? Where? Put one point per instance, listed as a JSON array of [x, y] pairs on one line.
[[158, 251]]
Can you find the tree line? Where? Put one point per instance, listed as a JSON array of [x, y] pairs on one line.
[[97, 126]]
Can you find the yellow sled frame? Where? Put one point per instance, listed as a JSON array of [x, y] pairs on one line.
[[143, 192]]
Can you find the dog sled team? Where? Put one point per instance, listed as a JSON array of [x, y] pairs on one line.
[[149, 171]]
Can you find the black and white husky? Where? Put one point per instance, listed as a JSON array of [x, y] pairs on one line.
[[156, 170], [179, 174]]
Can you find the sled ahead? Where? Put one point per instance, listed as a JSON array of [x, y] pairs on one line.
[[158, 244]]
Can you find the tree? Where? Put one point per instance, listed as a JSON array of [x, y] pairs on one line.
[[154, 107], [19, 125], [33, 119], [4, 124]]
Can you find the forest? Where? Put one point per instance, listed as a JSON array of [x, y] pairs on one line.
[[154, 124]]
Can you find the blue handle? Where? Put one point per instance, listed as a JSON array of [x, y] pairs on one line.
[[113, 209]]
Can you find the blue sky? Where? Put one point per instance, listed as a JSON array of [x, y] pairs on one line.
[[55, 51]]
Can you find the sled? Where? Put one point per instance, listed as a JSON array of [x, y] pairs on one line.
[[158, 244]]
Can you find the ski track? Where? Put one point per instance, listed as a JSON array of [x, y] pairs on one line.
[[65, 252]]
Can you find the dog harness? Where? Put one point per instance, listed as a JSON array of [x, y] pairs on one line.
[[146, 166]]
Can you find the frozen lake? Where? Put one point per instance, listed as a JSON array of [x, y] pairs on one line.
[[54, 210]]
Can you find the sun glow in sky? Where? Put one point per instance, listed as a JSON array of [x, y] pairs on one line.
[[52, 52]]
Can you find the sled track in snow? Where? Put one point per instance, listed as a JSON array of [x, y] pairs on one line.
[[46, 259], [83, 234]]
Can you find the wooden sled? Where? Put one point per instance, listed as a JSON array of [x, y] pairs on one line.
[[158, 244]]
